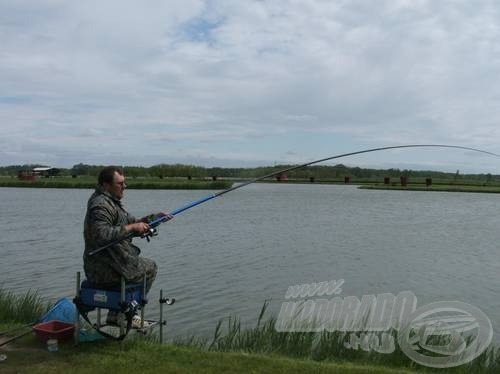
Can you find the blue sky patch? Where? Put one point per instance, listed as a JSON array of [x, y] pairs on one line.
[[200, 30]]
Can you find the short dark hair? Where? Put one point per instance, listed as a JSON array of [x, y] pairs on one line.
[[107, 174]]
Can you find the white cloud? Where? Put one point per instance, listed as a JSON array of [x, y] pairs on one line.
[[220, 78]]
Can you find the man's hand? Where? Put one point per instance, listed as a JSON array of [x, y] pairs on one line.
[[163, 214], [155, 216], [138, 227]]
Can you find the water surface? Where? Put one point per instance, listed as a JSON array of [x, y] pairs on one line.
[[229, 255]]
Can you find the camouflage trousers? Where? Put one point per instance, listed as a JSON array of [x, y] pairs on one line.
[[105, 276]]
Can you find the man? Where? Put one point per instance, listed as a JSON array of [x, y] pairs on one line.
[[107, 220]]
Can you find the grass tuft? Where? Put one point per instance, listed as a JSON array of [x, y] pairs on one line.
[[26, 308]]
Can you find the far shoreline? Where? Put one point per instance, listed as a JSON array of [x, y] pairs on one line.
[[133, 184], [179, 183], [436, 188]]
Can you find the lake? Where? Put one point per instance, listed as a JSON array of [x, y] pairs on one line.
[[226, 257]]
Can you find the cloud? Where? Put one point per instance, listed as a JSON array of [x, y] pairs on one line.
[[222, 78]]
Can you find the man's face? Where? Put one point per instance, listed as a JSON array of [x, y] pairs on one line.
[[116, 187]]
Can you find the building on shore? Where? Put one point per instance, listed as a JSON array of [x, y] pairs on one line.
[[37, 172]]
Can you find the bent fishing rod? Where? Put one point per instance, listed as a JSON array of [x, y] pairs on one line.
[[156, 222]]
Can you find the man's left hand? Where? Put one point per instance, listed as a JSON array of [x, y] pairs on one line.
[[163, 214]]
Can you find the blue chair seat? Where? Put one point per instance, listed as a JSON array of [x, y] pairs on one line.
[[109, 297]]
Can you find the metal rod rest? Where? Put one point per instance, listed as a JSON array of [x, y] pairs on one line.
[[161, 316]]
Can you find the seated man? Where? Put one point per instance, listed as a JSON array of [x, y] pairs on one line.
[[105, 221]]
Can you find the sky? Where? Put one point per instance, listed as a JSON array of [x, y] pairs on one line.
[[249, 83]]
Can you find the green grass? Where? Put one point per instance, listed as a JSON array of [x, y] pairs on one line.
[[134, 356], [232, 348], [436, 187], [417, 184], [321, 346], [25, 308], [132, 183]]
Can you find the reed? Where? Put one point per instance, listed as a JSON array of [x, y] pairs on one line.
[[322, 346], [24, 308]]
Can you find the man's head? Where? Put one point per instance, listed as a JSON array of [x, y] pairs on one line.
[[111, 179]]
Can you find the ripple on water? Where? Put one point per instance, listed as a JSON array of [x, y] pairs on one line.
[[229, 255]]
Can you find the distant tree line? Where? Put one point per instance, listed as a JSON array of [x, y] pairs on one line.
[[318, 172]]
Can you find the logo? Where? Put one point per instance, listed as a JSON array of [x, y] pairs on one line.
[[436, 329], [100, 297], [440, 335]]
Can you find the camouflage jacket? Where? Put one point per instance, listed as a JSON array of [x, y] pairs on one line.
[[105, 221]]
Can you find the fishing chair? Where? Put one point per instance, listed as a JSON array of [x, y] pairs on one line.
[[125, 299]]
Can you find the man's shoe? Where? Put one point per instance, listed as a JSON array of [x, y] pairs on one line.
[[137, 322]]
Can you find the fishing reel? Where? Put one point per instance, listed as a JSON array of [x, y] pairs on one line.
[[152, 231], [129, 308]]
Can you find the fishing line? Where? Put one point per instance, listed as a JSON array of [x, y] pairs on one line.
[[153, 224]]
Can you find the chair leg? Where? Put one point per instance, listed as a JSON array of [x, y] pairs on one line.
[[143, 307], [76, 336], [122, 299]]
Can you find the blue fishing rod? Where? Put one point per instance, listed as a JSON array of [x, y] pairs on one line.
[[156, 222]]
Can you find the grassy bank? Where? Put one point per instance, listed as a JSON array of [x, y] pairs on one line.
[[149, 357], [231, 349], [418, 184], [137, 183], [435, 187]]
